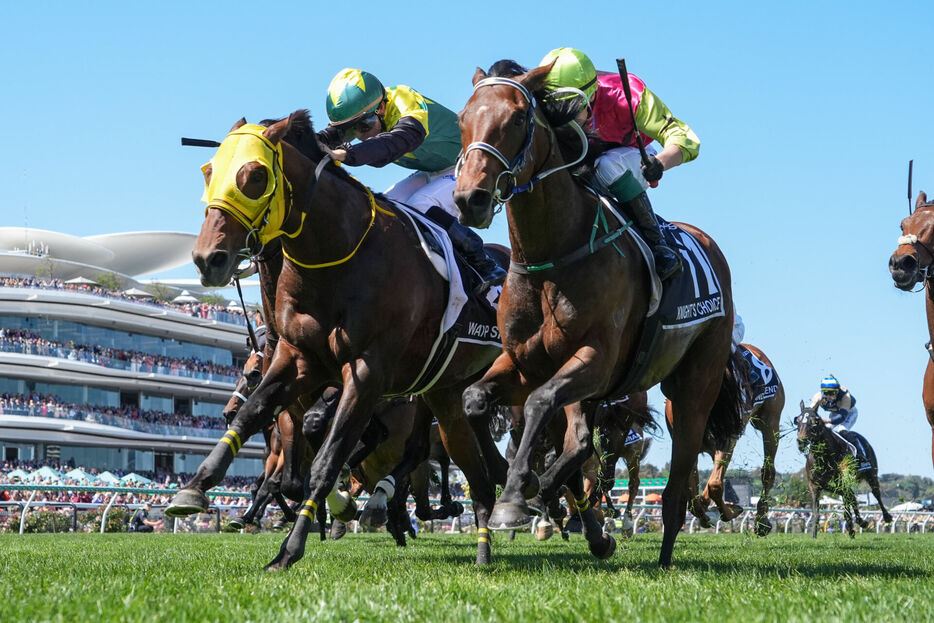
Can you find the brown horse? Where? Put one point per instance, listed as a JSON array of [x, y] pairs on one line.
[[348, 254], [765, 416], [831, 466], [572, 310], [910, 265]]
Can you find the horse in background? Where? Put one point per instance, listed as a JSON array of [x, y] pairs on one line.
[[911, 264], [764, 412], [574, 306], [831, 466], [622, 427]]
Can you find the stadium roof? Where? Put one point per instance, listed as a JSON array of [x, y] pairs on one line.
[[129, 254]]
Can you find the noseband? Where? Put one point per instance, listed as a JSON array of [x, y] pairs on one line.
[[513, 167], [916, 244]]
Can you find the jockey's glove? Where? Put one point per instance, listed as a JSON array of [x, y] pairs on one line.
[[652, 170]]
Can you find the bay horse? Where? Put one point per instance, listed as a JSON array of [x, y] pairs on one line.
[[765, 416], [570, 314], [910, 265], [348, 254], [831, 466]]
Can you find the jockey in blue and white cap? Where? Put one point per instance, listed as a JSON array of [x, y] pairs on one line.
[[840, 404]]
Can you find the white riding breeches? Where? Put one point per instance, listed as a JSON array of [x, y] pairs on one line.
[[616, 163], [424, 189], [848, 423]]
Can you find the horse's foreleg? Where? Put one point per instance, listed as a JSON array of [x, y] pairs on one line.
[[579, 378], [601, 544], [362, 388], [277, 389], [577, 449], [873, 480], [461, 444], [294, 448], [815, 507], [927, 398], [502, 384]]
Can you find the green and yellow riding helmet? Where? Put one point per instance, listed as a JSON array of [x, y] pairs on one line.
[[572, 68], [352, 95]]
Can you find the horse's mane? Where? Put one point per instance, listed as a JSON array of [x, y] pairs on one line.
[[302, 136]]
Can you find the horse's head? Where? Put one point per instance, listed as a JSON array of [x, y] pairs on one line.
[[498, 134], [914, 256], [248, 199], [809, 425]]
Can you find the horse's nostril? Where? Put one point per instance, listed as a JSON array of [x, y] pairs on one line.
[[218, 259]]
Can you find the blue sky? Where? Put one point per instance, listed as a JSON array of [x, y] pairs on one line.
[[807, 115]]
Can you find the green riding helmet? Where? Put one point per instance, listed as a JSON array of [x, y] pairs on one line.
[[352, 94], [572, 69]]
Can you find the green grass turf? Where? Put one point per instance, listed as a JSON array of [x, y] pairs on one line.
[[219, 577]]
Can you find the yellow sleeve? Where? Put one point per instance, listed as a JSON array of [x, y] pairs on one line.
[[403, 101], [655, 120]]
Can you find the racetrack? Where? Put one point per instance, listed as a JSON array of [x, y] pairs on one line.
[[219, 577]]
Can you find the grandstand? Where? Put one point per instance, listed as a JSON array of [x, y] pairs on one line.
[[104, 376]]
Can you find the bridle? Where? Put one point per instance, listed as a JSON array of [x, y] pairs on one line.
[[513, 167], [917, 244]]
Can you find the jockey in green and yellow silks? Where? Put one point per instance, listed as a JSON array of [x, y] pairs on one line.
[[400, 125]]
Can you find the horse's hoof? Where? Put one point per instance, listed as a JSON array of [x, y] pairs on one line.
[[509, 515], [732, 511], [338, 530], [532, 487], [603, 547], [187, 502], [565, 535], [455, 509], [697, 507], [763, 527], [373, 517], [628, 527], [276, 565], [544, 530]]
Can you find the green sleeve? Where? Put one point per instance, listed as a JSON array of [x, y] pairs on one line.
[[655, 120]]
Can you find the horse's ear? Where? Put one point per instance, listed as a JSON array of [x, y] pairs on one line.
[[922, 199], [239, 124], [534, 80], [802, 406], [478, 75], [278, 130]]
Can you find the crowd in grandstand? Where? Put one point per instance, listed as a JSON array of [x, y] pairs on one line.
[[31, 343], [53, 406], [198, 310]]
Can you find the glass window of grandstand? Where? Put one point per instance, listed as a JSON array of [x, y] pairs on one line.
[[57, 393], [70, 336], [207, 409], [166, 404]]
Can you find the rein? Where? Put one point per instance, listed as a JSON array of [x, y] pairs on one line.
[[515, 166]]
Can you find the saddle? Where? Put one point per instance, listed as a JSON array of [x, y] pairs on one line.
[[859, 442]]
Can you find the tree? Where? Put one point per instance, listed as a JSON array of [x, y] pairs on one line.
[[110, 281], [160, 292]]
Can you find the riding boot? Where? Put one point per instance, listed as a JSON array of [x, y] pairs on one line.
[[667, 262], [851, 446], [470, 246]]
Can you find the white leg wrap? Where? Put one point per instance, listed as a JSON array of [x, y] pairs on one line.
[[338, 501]]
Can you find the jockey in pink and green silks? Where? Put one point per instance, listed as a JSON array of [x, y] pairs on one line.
[[620, 170]]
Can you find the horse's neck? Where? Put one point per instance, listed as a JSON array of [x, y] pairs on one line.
[[337, 213], [269, 270], [929, 307], [549, 221]]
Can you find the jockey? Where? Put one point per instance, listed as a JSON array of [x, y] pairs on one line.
[[840, 404], [398, 124], [619, 170]]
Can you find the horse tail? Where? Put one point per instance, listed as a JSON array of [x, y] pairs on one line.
[[725, 424]]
